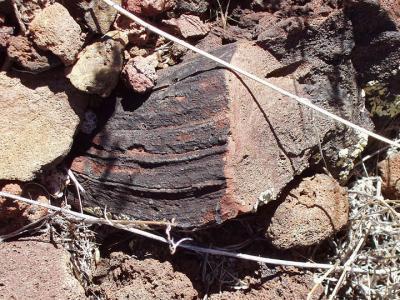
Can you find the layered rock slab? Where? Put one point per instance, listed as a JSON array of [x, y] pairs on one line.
[[40, 115], [204, 146]]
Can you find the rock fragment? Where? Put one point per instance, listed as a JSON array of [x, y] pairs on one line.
[[55, 30], [312, 212], [140, 73], [193, 7], [188, 26], [99, 65], [148, 7], [36, 269], [39, 118], [5, 34], [99, 16], [28, 57], [389, 170]]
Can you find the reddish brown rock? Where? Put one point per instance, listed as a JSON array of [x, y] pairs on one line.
[[311, 212], [137, 34], [55, 30], [140, 74], [148, 7], [35, 269], [389, 170], [188, 26], [5, 34], [14, 214], [28, 57]]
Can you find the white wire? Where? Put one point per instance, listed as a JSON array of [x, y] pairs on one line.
[[236, 69]]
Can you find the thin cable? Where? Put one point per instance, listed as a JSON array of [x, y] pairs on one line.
[[236, 69], [271, 261]]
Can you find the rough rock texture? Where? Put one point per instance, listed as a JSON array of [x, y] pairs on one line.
[[99, 16], [99, 65], [5, 35], [123, 277], [148, 7], [13, 214], [140, 74], [39, 122], [35, 269], [189, 152], [193, 7], [389, 170], [55, 30], [28, 57], [29, 9], [188, 26], [311, 212], [137, 34]]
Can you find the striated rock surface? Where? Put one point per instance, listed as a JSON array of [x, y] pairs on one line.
[[40, 117], [205, 146], [99, 65], [35, 269], [389, 170], [311, 212], [55, 30], [28, 57]]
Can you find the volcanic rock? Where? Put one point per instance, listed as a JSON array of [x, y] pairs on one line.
[[40, 117], [389, 170], [55, 30], [28, 57], [188, 26], [140, 74], [148, 7], [99, 65], [5, 35], [193, 7], [311, 212], [36, 269], [99, 16]]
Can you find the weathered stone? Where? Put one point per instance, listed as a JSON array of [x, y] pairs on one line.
[[29, 9], [99, 65], [230, 144], [193, 7], [55, 30], [100, 16], [28, 57], [36, 269], [137, 35], [389, 170], [140, 73], [5, 35], [188, 26], [39, 122], [311, 212], [148, 7], [14, 214]]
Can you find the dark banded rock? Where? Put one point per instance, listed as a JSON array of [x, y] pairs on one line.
[[205, 146]]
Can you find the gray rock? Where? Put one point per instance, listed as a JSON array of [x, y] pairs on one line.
[[39, 120], [99, 16]]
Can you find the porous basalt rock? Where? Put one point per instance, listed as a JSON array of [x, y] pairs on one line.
[[55, 30], [148, 7], [311, 212], [140, 73]]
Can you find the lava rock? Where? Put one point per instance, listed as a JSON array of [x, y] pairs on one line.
[[140, 74], [389, 170], [55, 30], [193, 7], [39, 118], [99, 65], [5, 35], [148, 7], [188, 26], [100, 16], [36, 269], [311, 212], [28, 57]]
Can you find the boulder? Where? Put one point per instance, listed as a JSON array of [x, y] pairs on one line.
[[99, 65], [204, 146], [40, 117], [36, 269], [311, 212], [28, 57], [55, 30]]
